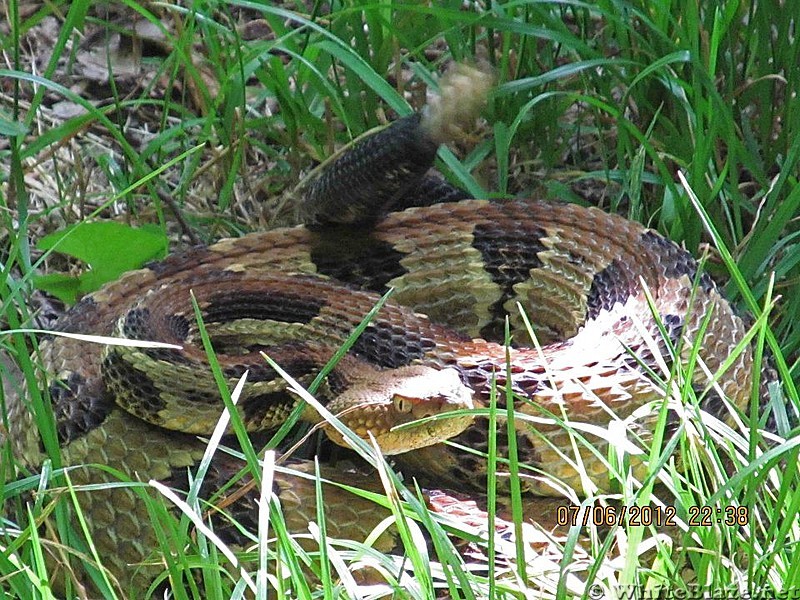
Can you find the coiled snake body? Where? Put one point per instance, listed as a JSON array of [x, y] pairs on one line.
[[590, 282]]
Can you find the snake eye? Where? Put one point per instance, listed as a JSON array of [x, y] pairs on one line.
[[402, 404]]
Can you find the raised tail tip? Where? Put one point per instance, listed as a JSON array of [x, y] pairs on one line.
[[462, 94]]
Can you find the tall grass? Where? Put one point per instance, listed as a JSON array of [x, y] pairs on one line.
[[596, 103]]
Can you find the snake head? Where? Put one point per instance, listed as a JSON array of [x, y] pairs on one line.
[[380, 405]]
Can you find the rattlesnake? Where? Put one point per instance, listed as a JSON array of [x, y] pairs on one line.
[[611, 300]]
